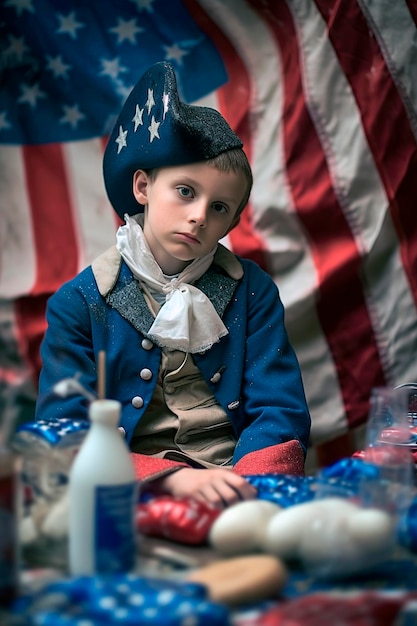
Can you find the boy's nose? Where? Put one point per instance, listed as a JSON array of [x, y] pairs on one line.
[[198, 215]]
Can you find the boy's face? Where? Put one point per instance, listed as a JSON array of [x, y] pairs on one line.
[[189, 208]]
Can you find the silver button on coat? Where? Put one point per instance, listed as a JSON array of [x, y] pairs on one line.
[[137, 402], [146, 374]]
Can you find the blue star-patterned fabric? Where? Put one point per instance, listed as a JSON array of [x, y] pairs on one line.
[[341, 478], [124, 599], [282, 489], [47, 448], [66, 79], [63, 433]]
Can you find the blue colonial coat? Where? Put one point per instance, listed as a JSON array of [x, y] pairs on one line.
[[253, 371]]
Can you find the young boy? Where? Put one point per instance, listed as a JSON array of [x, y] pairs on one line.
[[196, 348]]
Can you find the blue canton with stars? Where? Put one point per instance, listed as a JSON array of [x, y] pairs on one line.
[[67, 78]]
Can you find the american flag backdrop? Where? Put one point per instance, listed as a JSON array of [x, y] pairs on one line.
[[324, 95]]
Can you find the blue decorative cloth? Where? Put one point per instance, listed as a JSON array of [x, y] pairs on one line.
[[125, 599], [48, 447], [342, 477], [283, 489], [63, 432], [350, 469]]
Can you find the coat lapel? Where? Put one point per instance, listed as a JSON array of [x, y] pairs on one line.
[[127, 297], [218, 287], [122, 291]]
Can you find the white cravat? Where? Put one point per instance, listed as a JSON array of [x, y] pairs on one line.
[[187, 321]]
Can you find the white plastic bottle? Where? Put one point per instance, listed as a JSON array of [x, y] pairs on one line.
[[103, 494]]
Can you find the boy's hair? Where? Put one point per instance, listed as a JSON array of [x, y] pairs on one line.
[[231, 161]]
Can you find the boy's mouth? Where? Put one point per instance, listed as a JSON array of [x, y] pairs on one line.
[[188, 237]]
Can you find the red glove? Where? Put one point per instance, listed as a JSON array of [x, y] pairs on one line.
[[184, 520]]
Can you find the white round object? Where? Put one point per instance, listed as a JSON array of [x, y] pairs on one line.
[[372, 529], [240, 529], [346, 541], [287, 530]]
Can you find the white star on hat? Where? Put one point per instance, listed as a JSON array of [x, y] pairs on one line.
[[165, 100], [150, 101], [153, 129], [121, 139], [137, 119]]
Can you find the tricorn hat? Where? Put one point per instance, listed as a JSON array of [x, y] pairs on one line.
[[156, 129]]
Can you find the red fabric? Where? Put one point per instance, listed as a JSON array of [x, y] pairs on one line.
[[348, 32], [361, 609], [341, 304], [283, 458], [331, 215], [184, 520], [57, 254], [149, 467]]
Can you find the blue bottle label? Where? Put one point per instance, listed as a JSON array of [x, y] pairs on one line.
[[115, 546]]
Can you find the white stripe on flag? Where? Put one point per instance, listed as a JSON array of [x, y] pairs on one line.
[[94, 217], [17, 249], [395, 31], [361, 194], [289, 256]]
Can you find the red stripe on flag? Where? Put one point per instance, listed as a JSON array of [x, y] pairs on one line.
[[53, 228], [234, 98], [385, 120], [341, 304]]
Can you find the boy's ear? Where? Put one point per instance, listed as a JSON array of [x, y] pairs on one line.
[[140, 187]]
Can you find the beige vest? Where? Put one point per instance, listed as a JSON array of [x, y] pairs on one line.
[[184, 421]]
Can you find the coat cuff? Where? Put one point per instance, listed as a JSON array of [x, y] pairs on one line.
[[283, 458], [149, 468]]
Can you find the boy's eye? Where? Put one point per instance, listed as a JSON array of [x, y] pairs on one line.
[[219, 207], [185, 192]]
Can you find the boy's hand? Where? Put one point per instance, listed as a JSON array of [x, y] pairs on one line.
[[218, 486]]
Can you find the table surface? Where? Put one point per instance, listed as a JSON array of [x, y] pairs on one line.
[[162, 558]]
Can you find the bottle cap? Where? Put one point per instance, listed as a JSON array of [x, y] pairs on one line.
[[105, 412]]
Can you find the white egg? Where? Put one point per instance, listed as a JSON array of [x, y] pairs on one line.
[[344, 541], [287, 530], [327, 547], [372, 529], [240, 528]]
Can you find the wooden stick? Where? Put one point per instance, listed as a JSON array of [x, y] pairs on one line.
[[101, 389]]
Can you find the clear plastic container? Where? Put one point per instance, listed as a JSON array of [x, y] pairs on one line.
[[353, 527]]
